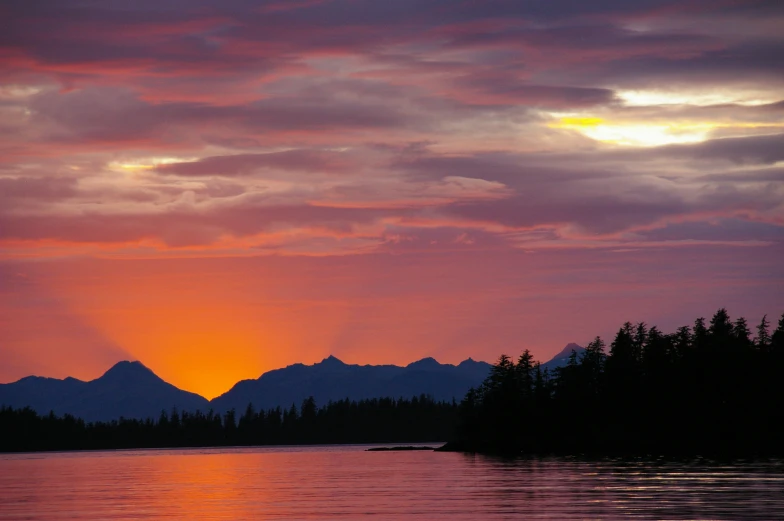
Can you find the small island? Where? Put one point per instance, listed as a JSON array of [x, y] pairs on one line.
[[400, 448]]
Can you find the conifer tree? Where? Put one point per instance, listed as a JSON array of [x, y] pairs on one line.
[[763, 335]]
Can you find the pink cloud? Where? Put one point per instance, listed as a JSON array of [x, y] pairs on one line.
[[387, 163]]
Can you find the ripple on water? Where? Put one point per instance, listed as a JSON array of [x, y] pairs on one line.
[[345, 482]]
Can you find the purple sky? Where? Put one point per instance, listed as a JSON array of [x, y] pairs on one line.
[[229, 186]]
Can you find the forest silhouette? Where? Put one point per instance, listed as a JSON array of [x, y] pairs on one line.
[[382, 420], [710, 389]]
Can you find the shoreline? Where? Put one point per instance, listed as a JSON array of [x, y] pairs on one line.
[[383, 445], [650, 453]]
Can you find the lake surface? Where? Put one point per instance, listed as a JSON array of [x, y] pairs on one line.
[[345, 482]]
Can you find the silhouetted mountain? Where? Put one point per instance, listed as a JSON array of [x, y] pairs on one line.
[[334, 380], [131, 390], [562, 358], [128, 389]]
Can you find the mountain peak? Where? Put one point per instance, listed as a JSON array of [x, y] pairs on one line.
[[128, 389], [566, 351], [128, 368], [425, 363], [331, 361]]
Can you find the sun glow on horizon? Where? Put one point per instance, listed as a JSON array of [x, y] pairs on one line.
[[221, 191]]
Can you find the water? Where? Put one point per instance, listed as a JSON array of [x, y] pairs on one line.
[[345, 482]]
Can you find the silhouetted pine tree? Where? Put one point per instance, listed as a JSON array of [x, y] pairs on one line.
[[705, 390], [763, 335]]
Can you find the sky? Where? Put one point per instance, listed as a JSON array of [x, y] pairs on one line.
[[218, 188]]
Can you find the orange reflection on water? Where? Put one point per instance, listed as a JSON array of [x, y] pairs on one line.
[[347, 483]]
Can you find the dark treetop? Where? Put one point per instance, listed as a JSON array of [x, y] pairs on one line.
[[713, 389]]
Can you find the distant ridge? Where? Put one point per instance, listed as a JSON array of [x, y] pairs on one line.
[[127, 389], [332, 380], [131, 390]]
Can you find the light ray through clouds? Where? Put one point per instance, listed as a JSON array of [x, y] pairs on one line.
[[337, 133]]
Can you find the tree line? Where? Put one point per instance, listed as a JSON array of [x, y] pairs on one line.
[[383, 420], [712, 388]]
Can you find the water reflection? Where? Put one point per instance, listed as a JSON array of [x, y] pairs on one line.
[[348, 483]]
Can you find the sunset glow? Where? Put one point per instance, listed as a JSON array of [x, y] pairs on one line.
[[218, 189]]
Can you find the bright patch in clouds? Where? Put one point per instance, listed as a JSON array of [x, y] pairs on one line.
[[147, 163], [635, 134], [630, 133], [643, 98], [18, 91]]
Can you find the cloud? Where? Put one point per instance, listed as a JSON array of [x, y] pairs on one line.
[[500, 90], [759, 150], [765, 175], [719, 230], [37, 188], [247, 164], [732, 64], [270, 127]]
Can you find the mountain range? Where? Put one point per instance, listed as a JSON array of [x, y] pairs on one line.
[[131, 390], [334, 380]]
